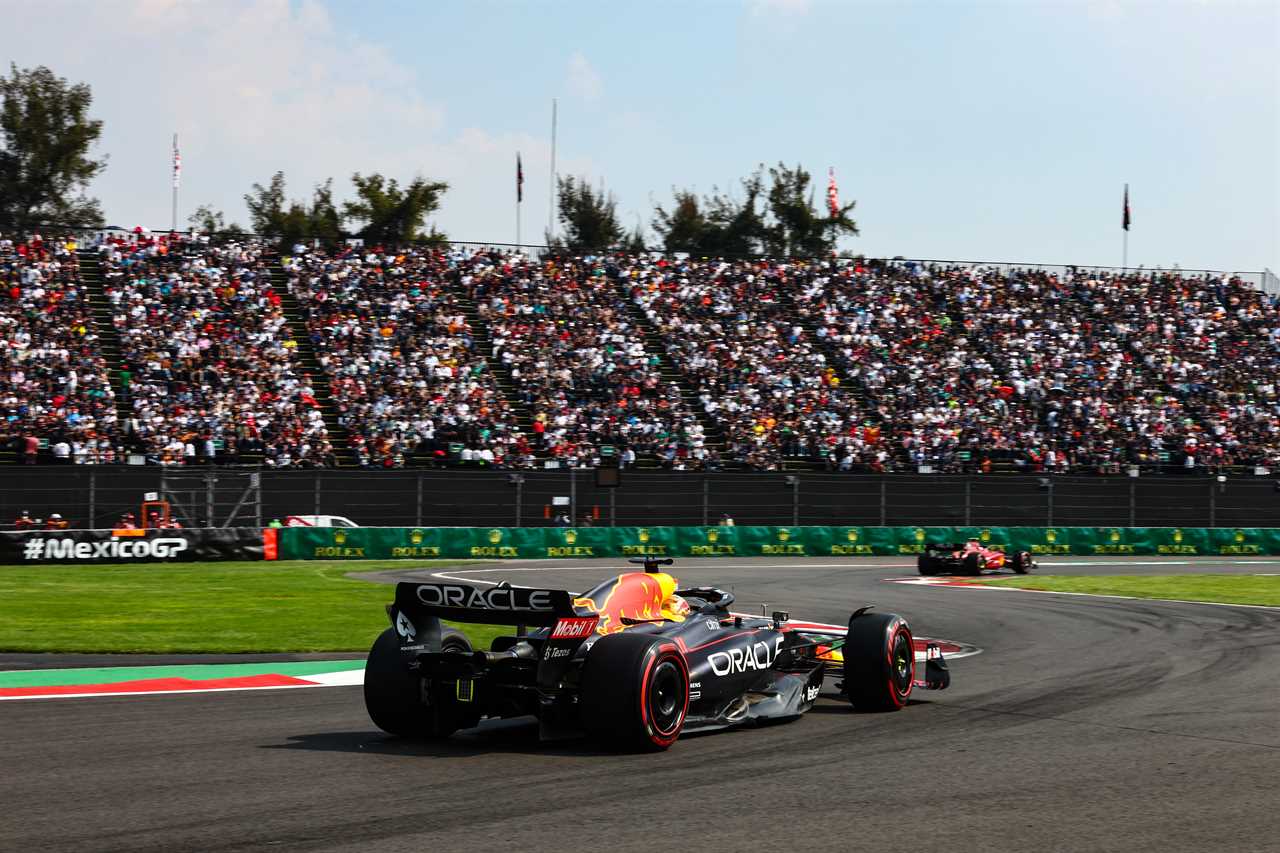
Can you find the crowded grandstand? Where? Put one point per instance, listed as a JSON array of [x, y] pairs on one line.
[[178, 350]]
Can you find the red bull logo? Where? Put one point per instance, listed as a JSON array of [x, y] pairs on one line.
[[634, 595]]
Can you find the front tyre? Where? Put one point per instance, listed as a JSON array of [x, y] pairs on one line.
[[635, 691], [879, 662], [972, 565], [927, 564], [1022, 562], [393, 694]]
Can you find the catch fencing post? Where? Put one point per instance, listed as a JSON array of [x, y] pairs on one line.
[[93, 498], [968, 502], [1049, 522], [706, 499], [317, 493], [1213, 505], [519, 497], [613, 507], [418, 522], [573, 497], [1133, 502], [255, 481], [884, 503], [210, 480], [793, 483]]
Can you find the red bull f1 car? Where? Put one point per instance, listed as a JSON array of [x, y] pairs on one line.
[[634, 662], [970, 558]]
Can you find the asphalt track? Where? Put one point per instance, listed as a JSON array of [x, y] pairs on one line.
[[1085, 724]]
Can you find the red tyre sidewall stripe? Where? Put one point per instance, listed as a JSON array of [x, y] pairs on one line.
[[896, 627], [655, 655]]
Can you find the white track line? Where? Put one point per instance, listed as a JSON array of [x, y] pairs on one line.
[[452, 576], [990, 588]]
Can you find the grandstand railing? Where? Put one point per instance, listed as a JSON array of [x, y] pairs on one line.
[[1264, 279]]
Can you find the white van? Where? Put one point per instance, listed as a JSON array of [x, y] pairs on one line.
[[318, 521]]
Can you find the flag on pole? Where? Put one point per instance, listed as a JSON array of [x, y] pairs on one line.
[[519, 179], [833, 194], [177, 164], [1127, 218]]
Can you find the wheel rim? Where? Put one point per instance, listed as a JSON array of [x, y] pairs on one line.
[[903, 662], [666, 696]]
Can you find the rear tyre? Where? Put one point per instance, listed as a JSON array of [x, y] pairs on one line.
[[1022, 563], [879, 662], [635, 691], [927, 564], [972, 564], [393, 694]]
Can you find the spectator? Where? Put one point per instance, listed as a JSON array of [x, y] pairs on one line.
[[53, 382], [210, 356], [402, 360]]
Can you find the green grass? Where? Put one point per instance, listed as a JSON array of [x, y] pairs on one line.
[[1226, 589], [289, 606]]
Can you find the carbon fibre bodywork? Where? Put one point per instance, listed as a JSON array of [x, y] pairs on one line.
[[740, 669]]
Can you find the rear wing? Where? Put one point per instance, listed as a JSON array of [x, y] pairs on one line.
[[499, 605]]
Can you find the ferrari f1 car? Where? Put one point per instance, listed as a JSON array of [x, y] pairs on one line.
[[634, 662], [970, 558]]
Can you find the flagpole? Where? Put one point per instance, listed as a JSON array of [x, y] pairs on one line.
[[1124, 258], [173, 224], [551, 206]]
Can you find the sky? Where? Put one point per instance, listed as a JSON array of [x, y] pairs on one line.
[[999, 131]]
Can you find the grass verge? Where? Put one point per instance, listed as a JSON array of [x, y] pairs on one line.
[[289, 606], [1223, 589]]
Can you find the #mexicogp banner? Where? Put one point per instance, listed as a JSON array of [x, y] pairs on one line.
[[389, 543], [130, 546]]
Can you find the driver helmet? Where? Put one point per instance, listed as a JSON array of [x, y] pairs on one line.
[[675, 606]]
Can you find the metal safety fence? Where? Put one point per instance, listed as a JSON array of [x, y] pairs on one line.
[[89, 497]]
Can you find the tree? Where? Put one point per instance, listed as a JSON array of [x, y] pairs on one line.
[[684, 228], [715, 226], [324, 222], [45, 137], [588, 217], [634, 241], [795, 226], [268, 212], [266, 206], [209, 221], [737, 227], [391, 214]]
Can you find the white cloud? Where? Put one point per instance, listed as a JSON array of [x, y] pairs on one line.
[[256, 86], [583, 80]]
